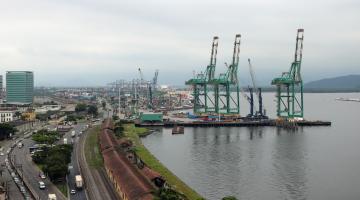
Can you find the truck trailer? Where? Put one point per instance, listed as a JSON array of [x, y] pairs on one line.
[[78, 182]]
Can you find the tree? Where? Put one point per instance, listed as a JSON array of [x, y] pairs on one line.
[[71, 118], [55, 167], [80, 107], [6, 129], [45, 137], [103, 103], [168, 194], [115, 117], [92, 110], [118, 129], [54, 160]]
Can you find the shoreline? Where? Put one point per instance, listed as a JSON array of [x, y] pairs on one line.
[[134, 134]]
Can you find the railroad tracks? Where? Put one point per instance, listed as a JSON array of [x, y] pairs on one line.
[[97, 184]]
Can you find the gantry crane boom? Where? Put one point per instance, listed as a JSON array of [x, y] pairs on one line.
[[290, 102], [224, 102], [203, 103], [252, 74]]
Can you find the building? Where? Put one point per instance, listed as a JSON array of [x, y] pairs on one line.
[[29, 115], [19, 87], [6, 116], [1, 88], [151, 117]]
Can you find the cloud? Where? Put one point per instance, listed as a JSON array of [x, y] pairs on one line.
[[95, 42]]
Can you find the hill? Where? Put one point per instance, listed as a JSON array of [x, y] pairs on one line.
[[341, 83]]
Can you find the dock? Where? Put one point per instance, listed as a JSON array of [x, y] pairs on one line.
[[270, 122]]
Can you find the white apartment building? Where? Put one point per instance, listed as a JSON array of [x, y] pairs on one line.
[[6, 116]]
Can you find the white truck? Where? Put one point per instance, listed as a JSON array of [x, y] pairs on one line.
[[52, 197], [65, 141], [79, 181]]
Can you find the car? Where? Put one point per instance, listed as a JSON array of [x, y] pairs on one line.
[[72, 191], [2, 153], [22, 189], [42, 176], [41, 185], [16, 179]]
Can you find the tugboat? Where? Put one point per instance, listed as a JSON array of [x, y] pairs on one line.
[[178, 129]]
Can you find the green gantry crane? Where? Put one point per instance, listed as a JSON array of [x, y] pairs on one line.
[[289, 87], [200, 83], [227, 83]]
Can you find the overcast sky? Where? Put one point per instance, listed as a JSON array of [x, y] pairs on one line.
[[93, 42]]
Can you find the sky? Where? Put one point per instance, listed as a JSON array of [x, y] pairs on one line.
[[94, 42]]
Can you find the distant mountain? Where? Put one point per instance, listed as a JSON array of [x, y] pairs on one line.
[[349, 82]]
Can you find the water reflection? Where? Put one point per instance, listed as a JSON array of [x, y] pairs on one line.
[[289, 164]]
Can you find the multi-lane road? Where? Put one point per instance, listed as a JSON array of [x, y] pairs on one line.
[[96, 183], [22, 157], [12, 188], [74, 168], [31, 172]]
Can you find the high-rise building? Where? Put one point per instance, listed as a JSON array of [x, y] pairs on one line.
[[1, 86], [19, 87]]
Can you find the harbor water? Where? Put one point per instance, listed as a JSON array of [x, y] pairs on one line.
[[268, 162]]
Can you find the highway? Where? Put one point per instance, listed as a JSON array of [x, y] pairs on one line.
[[13, 189], [97, 185], [31, 172], [74, 168]]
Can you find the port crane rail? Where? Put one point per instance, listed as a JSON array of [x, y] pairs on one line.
[[289, 87]]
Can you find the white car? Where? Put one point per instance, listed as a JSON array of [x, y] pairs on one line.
[[2, 153], [42, 176], [16, 179], [41, 185], [73, 191]]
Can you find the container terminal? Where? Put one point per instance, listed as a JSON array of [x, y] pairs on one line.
[[214, 100]]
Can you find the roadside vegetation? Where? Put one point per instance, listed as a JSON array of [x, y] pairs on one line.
[[44, 136], [62, 186], [92, 152], [6, 130], [89, 109], [54, 160], [133, 133]]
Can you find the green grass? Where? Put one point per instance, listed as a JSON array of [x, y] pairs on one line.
[[92, 152], [62, 187], [133, 133]]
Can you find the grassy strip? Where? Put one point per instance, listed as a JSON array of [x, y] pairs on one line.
[[62, 187], [92, 152], [133, 133]]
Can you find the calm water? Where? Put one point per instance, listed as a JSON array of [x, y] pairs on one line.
[[269, 163]]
